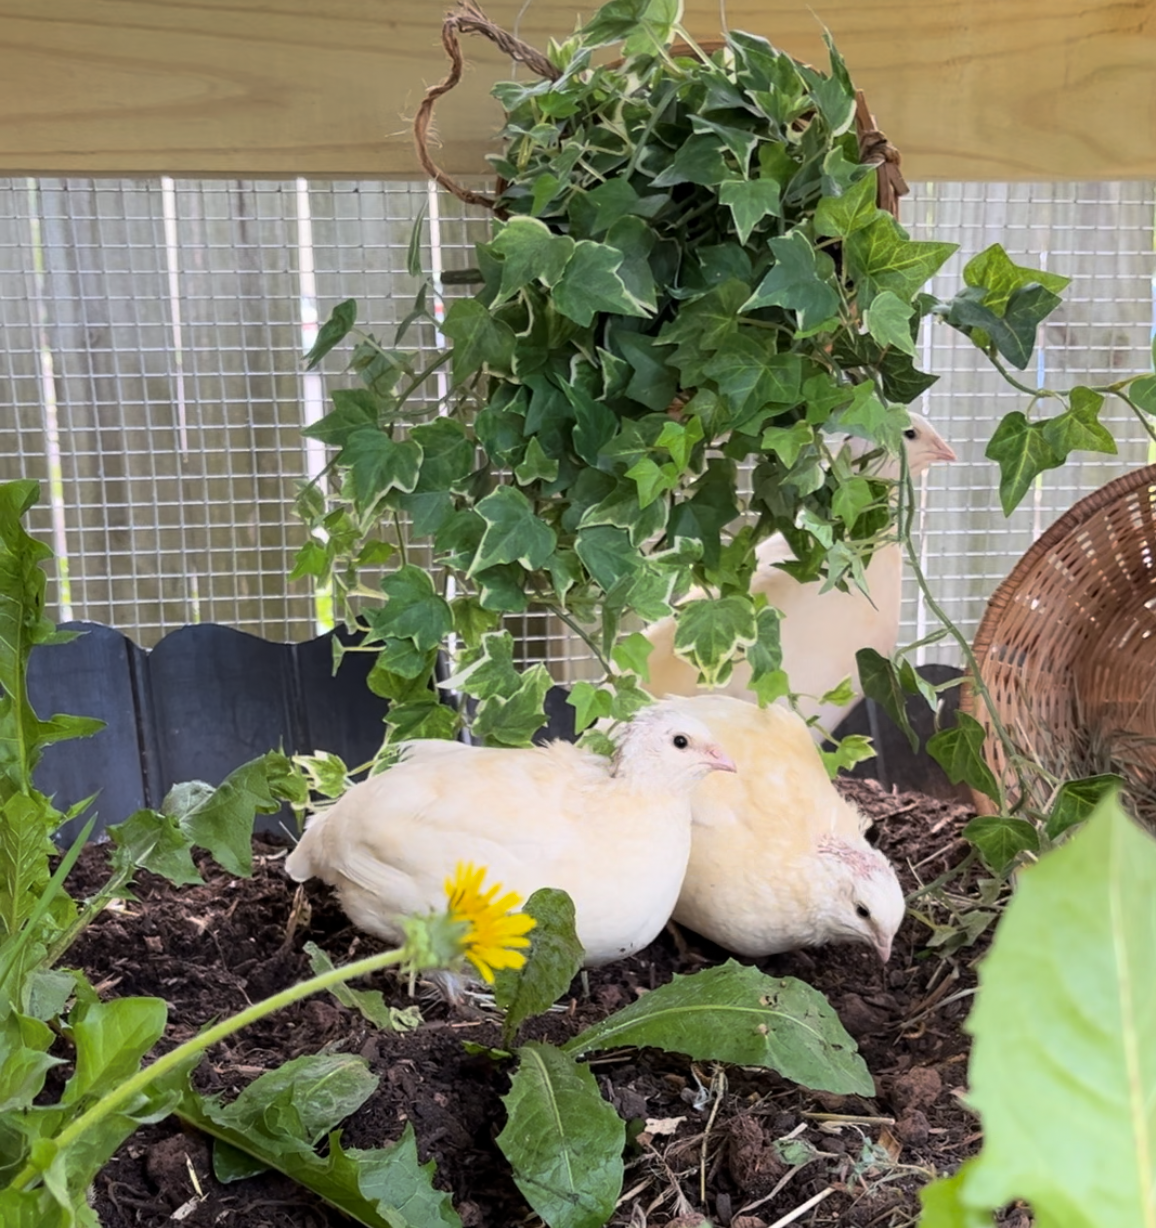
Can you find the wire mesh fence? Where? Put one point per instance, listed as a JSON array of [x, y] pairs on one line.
[[150, 362]]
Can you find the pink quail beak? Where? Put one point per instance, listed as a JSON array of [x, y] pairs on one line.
[[720, 760], [883, 947], [944, 451]]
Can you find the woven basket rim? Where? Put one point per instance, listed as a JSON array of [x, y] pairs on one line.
[[1075, 517]]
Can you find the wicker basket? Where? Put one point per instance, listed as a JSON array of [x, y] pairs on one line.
[[1067, 647]]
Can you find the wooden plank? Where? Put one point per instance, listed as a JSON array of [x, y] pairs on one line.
[[995, 89]]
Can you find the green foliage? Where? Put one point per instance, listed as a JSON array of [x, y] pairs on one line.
[[553, 960], [278, 1121], [563, 1141], [682, 228], [1063, 1066], [735, 1013]]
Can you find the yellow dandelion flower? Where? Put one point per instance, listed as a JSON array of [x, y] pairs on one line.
[[493, 932]]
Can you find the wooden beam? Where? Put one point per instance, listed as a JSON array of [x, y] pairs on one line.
[[992, 89]]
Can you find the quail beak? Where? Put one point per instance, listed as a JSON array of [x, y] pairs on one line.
[[720, 760], [944, 452], [883, 948]]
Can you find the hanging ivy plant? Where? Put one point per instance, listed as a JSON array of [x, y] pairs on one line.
[[689, 275]]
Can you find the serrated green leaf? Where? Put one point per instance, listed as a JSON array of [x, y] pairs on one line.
[[737, 1014], [530, 252], [341, 321], [536, 466], [798, 280], [708, 633], [1000, 839], [562, 1139], [513, 718], [1063, 1066], [221, 820], [590, 703], [590, 284], [514, 534], [994, 272], [959, 751], [369, 1003], [552, 961], [879, 680], [1079, 428], [156, 842], [750, 200], [633, 653], [1077, 799], [842, 215], [881, 257], [1022, 451], [414, 610], [379, 464], [480, 339], [888, 320], [110, 1039]]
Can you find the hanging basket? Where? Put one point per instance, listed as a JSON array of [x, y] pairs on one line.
[[874, 147], [1067, 647]]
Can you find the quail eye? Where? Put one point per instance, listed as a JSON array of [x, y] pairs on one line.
[[861, 910], [681, 741], [909, 433]]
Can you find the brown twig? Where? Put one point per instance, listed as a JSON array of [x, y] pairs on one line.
[[468, 19]]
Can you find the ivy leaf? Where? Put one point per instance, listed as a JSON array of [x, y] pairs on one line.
[[750, 200], [797, 281], [888, 320], [594, 424], [840, 216], [699, 159], [880, 681], [787, 442], [554, 957], [590, 704], [536, 466], [1022, 451], [530, 252], [751, 377], [490, 669], [679, 439], [994, 272], [708, 633], [1076, 800], [379, 464], [157, 843], [340, 323], [959, 751], [563, 1141], [653, 381], [607, 554], [512, 719], [447, 455], [353, 409], [1001, 839], [590, 283], [1079, 428], [765, 657], [632, 654], [514, 534], [703, 326], [1014, 332], [881, 257], [738, 1014], [480, 339], [415, 610], [652, 480]]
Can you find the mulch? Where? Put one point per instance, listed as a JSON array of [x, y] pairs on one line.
[[758, 1146]]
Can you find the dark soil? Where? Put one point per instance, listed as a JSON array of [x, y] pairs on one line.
[[212, 950]]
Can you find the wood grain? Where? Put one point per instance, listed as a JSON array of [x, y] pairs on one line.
[[993, 89]]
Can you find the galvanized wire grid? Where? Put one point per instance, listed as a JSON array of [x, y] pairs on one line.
[[151, 360]]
